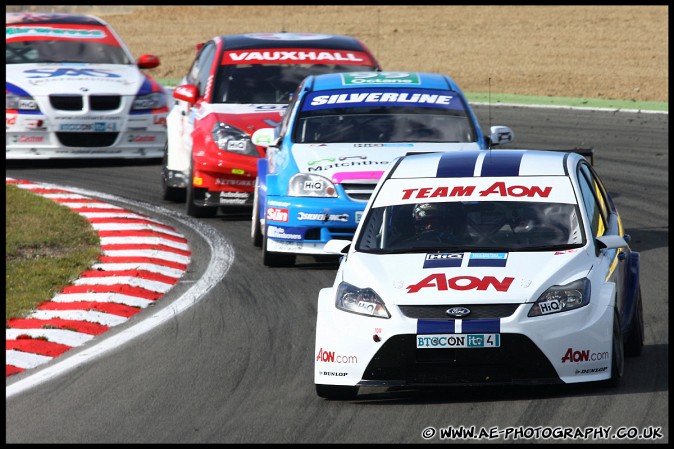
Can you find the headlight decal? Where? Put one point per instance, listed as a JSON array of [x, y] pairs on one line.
[[361, 301], [562, 298]]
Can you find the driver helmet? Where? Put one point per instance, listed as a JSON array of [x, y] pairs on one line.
[[428, 217]]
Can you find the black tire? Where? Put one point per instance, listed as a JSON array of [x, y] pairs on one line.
[[617, 354], [194, 210], [336, 392], [255, 229], [169, 193], [271, 259], [635, 341]]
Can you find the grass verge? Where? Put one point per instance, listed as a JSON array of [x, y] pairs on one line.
[[47, 247]]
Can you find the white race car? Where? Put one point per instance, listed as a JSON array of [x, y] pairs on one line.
[[492, 267], [74, 90]]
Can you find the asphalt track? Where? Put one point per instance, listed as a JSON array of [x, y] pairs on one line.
[[232, 359]]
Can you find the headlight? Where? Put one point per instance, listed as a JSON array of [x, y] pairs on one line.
[[20, 103], [305, 184], [228, 138], [363, 301], [562, 298], [154, 100]]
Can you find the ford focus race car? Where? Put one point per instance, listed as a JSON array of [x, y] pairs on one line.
[[340, 133], [238, 84], [74, 90], [496, 267]]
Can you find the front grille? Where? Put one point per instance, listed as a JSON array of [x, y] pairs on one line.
[[87, 140], [66, 102], [517, 361], [104, 102], [76, 102], [359, 191], [476, 311]]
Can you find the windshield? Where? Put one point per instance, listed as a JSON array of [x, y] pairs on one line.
[[58, 50], [383, 115], [471, 226], [269, 83]]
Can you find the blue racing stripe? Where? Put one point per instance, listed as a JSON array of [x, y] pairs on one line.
[[435, 327], [480, 326], [457, 165], [502, 163]]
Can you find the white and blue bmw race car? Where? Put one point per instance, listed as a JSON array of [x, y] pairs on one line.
[[338, 135], [503, 267], [74, 90]]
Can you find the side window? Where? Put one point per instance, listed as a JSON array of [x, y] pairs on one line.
[[286, 117], [201, 67], [594, 199]]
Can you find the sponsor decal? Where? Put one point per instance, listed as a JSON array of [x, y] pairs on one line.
[[140, 139], [274, 214], [552, 306], [159, 120], [418, 98], [88, 127], [364, 78], [459, 341], [13, 32], [238, 171], [497, 189], [10, 119], [323, 217], [359, 163], [318, 161], [332, 373], [332, 357], [234, 182], [359, 216], [584, 356], [232, 197], [294, 56], [488, 260], [277, 232], [567, 251], [28, 139], [279, 203], [70, 71], [591, 370], [439, 282], [443, 260]]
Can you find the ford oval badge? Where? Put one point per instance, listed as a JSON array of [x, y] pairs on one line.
[[458, 312]]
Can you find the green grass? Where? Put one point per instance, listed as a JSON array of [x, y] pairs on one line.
[[47, 247]]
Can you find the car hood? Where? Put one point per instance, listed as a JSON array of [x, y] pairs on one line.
[[45, 79], [246, 117], [340, 161], [464, 278]]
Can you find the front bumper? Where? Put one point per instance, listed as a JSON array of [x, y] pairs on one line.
[[304, 225], [568, 347]]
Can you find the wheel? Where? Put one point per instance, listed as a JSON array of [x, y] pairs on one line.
[[192, 209], [336, 392], [169, 193], [255, 231], [617, 354], [635, 341], [271, 259]]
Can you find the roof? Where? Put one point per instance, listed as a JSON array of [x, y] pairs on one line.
[[385, 79], [486, 163], [36, 18]]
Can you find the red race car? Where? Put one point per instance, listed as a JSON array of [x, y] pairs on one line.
[[236, 85]]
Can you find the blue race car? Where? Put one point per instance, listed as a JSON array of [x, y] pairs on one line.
[[337, 137]]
